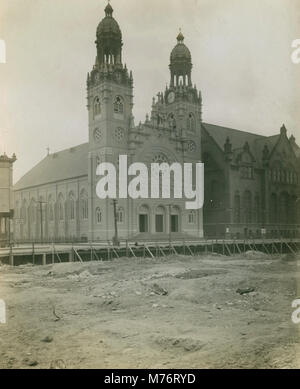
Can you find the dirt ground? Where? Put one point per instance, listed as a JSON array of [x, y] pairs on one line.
[[176, 312]]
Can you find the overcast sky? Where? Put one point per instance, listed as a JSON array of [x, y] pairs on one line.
[[241, 52]]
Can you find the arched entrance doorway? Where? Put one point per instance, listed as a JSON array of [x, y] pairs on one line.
[[160, 219], [144, 218], [175, 219]]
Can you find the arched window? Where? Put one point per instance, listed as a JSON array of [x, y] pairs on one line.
[[160, 219], [192, 217], [98, 216], [97, 107], [71, 206], [191, 123], [120, 215], [50, 209], [237, 208], [144, 218], [84, 208], [42, 208], [171, 121], [247, 172], [60, 207], [119, 105]]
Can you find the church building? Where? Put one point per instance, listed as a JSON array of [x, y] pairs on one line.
[[251, 181]]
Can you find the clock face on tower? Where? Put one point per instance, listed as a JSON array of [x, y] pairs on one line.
[[171, 97]]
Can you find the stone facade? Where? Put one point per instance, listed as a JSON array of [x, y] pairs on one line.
[[252, 184]]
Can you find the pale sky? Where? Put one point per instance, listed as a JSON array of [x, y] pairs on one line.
[[241, 51]]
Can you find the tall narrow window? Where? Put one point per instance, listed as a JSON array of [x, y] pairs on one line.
[[97, 107], [192, 217], [119, 105], [60, 208], [171, 121], [98, 216], [84, 209], [120, 215], [24, 212], [71, 206], [191, 123]]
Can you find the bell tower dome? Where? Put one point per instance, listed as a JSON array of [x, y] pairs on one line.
[[109, 39], [181, 64]]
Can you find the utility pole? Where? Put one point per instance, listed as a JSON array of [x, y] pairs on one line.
[[170, 226], [11, 258], [116, 241]]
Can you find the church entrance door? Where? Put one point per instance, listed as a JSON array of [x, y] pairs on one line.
[[144, 223], [159, 223], [174, 223]]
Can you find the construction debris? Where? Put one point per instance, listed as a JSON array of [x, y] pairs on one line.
[[245, 291]]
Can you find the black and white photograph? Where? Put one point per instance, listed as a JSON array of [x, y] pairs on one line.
[[149, 186]]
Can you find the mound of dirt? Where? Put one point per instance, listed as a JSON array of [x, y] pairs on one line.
[[182, 344]]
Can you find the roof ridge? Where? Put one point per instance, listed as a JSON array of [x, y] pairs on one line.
[[66, 149], [234, 129]]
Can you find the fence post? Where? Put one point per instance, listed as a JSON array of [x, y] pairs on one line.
[[11, 255], [71, 255], [33, 254], [52, 253]]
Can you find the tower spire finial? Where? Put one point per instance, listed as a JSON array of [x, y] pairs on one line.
[[108, 9], [180, 37]]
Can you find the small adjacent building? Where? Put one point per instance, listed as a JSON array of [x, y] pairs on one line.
[[6, 198]]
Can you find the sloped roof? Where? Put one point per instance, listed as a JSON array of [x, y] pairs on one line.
[[239, 138], [66, 164]]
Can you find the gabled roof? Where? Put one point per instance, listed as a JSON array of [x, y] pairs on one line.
[[66, 164], [239, 138]]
